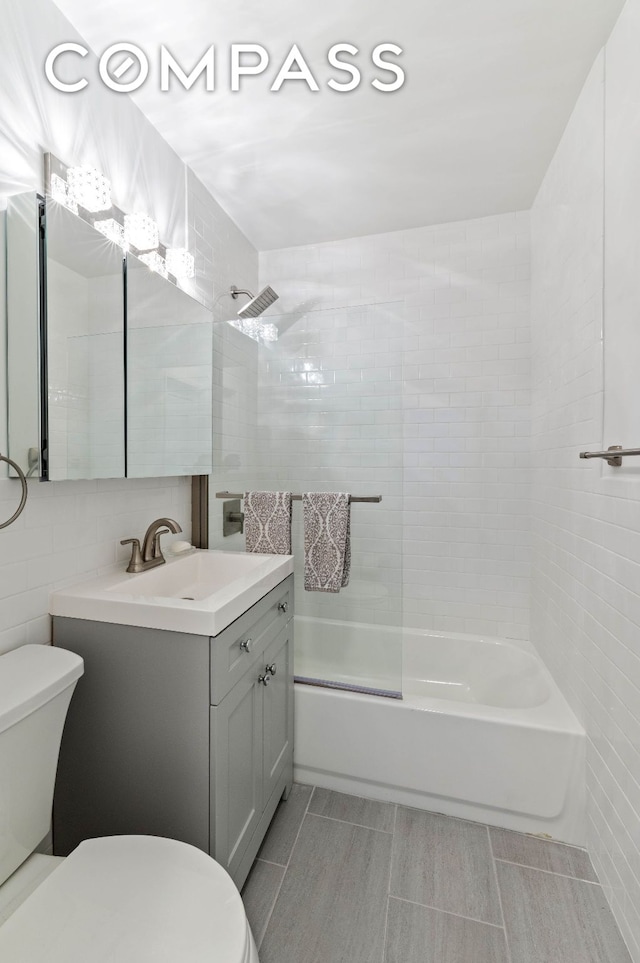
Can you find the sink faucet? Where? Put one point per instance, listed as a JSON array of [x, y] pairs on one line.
[[150, 554]]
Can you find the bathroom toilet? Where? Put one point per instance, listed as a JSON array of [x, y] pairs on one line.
[[115, 899]]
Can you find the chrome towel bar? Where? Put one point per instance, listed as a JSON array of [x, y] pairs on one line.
[[298, 498], [614, 454]]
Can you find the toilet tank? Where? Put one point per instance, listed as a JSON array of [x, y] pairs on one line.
[[36, 685]]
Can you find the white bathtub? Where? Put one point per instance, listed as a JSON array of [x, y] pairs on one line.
[[482, 731]]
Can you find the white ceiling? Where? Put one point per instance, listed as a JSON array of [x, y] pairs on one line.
[[490, 86]]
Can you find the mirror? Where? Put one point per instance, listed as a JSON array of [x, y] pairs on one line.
[[65, 338], [84, 349], [90, 395], [169, 377], [23, 332]]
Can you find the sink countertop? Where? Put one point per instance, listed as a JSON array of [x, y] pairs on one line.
[[200, 593]]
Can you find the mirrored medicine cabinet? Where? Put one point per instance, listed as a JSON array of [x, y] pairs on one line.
[[109, 363]]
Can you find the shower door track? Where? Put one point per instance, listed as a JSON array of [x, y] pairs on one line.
[[348, 687]]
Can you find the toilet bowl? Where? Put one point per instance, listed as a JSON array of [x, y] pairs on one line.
[[127, 899], [115, 899]]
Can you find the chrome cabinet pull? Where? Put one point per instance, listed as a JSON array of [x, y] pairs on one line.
[[271, 669], [265, 679], [283, 606], [246, 644]]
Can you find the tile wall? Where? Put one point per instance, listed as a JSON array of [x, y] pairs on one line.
[[586, 516], [426, 331], [235, 412]]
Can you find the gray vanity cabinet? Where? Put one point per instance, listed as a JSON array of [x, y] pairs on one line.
[[179, 735], [236, 770], [277, 713], [251, 740]]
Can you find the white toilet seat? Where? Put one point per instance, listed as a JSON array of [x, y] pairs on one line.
[[131, 899]]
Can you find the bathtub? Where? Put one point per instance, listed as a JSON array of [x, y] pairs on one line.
[[481, 732]]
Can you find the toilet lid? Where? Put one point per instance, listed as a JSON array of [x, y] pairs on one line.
[[130, 899]]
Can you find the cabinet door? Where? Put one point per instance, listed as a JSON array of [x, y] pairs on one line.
[[278, 710], [236, 770]]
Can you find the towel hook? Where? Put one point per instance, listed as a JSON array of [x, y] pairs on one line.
[[23, 482]]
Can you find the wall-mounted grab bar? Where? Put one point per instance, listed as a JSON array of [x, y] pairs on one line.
[[614, 454], [298, 498]]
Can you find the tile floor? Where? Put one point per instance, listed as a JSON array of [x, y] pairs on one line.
[[341, 879]]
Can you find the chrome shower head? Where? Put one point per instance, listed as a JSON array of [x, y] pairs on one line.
[[257, 304]]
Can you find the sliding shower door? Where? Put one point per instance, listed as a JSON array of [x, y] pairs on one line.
[[329, 418]]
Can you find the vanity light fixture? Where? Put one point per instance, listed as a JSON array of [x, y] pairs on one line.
[[60, 193], [89, 188], [157, 263], [113, 230], [86, 192], [180, 263], [141, 231]]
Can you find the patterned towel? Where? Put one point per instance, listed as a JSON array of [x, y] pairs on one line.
[[267, 522], [327, 540]]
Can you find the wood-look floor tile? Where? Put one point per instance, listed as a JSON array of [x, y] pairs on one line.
[[354, 809], [555, 919], [284, 828], [416, 934], [444, 863], [259, 894], [542, 854], [332, 903]]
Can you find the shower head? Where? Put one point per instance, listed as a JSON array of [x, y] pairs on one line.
[[257, 304]]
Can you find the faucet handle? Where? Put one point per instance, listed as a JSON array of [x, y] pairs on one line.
[[135, 562], [156, 551]]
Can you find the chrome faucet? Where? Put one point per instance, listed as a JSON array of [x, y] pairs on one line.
[[150, 554]]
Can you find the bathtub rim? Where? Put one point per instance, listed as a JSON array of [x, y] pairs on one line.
[[554, 713]]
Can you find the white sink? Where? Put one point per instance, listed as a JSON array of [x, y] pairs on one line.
[[200, 593]]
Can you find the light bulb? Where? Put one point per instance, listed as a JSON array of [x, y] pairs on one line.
[[113, 230], [89, 188], [180, 263], [157, 263], [60, 193], [141, 231]]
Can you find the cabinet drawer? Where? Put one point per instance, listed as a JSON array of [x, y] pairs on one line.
[[243, 642]]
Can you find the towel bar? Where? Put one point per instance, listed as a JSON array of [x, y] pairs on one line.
[[298, 498], [614, 454]]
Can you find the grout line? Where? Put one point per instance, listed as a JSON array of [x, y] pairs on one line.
[[347, 822], [259, 859], [386, 915], [275, 900], [300, 826], [495, 876], [549, 872], [437, 909]]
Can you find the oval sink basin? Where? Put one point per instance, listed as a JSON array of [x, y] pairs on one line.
[[200, 593]]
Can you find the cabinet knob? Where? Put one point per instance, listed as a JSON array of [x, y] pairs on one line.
[[265, 679], [283, 606], [271, 669], [246, 644]]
